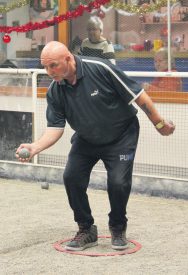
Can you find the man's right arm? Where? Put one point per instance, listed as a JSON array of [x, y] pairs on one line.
[[50, 137]]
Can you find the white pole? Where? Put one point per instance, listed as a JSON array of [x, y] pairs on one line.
[[34, 98], [169, 34]]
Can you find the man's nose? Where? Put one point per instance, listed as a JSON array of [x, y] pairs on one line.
[[92, 31], [49, 71]]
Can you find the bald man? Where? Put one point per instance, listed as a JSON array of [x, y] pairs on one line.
[[95, 97]]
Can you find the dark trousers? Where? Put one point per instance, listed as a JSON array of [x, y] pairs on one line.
[[118, 158]]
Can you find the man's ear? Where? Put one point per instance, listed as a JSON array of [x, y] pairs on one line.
[[68, 58]]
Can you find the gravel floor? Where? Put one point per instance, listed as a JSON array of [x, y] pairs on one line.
[[33, 219]]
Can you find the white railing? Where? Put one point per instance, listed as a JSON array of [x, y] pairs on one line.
[[156, 155]]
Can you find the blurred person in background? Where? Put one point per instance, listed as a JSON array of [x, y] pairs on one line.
[[172, 84], [96, 45]]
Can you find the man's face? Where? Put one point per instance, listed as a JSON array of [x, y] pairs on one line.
[[56, 69], [94, 33], [161, 63]]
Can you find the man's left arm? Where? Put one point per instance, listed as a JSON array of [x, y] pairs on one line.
[[164, 127]]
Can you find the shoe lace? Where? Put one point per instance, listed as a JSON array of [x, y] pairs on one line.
[[79, 235], [118, 234]]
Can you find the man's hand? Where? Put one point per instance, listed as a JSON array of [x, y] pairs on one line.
[[30, 148], [167, 129], [146, 104], [50, 136]]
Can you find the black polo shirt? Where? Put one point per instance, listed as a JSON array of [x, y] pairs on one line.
[[98, 107]]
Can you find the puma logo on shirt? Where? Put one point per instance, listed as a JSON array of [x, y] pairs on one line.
[[95, 93]]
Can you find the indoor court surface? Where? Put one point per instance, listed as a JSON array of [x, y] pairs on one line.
[[33, 219]]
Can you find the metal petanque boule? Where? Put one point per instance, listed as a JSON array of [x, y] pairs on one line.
[[45, 185]]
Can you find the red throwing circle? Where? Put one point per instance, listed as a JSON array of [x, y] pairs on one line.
[[137, 246]]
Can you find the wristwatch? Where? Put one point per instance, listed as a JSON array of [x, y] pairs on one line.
[[160, 125]]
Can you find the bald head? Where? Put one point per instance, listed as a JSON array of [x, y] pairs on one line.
[[58, 62], [54, 49], [161, 59]]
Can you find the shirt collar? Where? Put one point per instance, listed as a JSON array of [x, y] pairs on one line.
[[79, 70]]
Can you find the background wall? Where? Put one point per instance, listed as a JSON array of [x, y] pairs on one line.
[[18, 40]]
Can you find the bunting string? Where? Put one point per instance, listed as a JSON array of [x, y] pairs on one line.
[[13, 5]]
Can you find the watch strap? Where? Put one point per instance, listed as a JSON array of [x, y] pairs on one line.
[[160, 124]]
